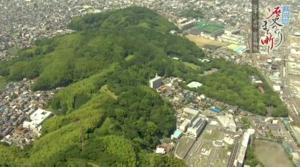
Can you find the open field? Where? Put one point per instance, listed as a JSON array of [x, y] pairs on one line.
[[129, 57], [211, 135], [191, 65], [271, 154], [201, 41], [212, 28]]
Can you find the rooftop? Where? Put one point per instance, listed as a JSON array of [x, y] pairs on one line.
[[274, 127], [177, 133], [194, 84], [190, 111]]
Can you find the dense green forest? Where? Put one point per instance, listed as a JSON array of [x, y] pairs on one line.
[[104, 68], [230, 84]]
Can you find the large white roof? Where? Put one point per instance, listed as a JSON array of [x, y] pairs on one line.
[[194, 84]]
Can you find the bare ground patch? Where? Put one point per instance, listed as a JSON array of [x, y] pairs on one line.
[[271, 154], [201, 41]]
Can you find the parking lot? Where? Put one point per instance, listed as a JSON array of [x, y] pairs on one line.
[[204, 153]]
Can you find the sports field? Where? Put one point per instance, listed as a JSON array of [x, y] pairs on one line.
[[271, 154], [201, 41], [211, 28], [208, 28]]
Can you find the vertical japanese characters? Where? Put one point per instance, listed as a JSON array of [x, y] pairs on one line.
[[272, 26], [255, 26]]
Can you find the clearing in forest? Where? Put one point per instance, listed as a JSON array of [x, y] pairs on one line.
[[106, 90]]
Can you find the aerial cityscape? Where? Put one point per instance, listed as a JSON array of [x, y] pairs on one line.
[[133, 83]]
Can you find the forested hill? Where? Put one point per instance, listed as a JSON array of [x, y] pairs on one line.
[[105, 67]]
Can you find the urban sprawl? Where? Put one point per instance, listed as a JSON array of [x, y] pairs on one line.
[[208, 131]]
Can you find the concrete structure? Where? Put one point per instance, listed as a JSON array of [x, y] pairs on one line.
[[194, 85], [37, 118], [274, 127], [182, 21], [184, 125], [234, 39], [187, 25], [255, 79], [276, 88], [227, 121], [218, 143], [190, 111], [155, 82], [196, 128], [160, 151], [228, 140], [177, 134], [230, 31], [243, 149]]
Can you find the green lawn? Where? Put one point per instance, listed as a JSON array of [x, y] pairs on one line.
[[207, 145], [191, 65], [212, 28], [129, 57], [214, 135]]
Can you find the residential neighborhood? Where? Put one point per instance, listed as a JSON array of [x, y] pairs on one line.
[[19, 108]]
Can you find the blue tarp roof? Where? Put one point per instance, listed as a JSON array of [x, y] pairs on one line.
[[177, 133], [215, 109], [286, 122], [290, 149]]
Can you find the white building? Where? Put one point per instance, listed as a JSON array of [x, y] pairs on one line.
[[155, 82], [227, 121], [160, 151], [37, 118], [187, 25], [196, 128], [182, 21], [231, 38], [231, 31], [190, 114], [243, 149], [228, 140], [184, 125], [194, 85], [191, 111], [276, 88]]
